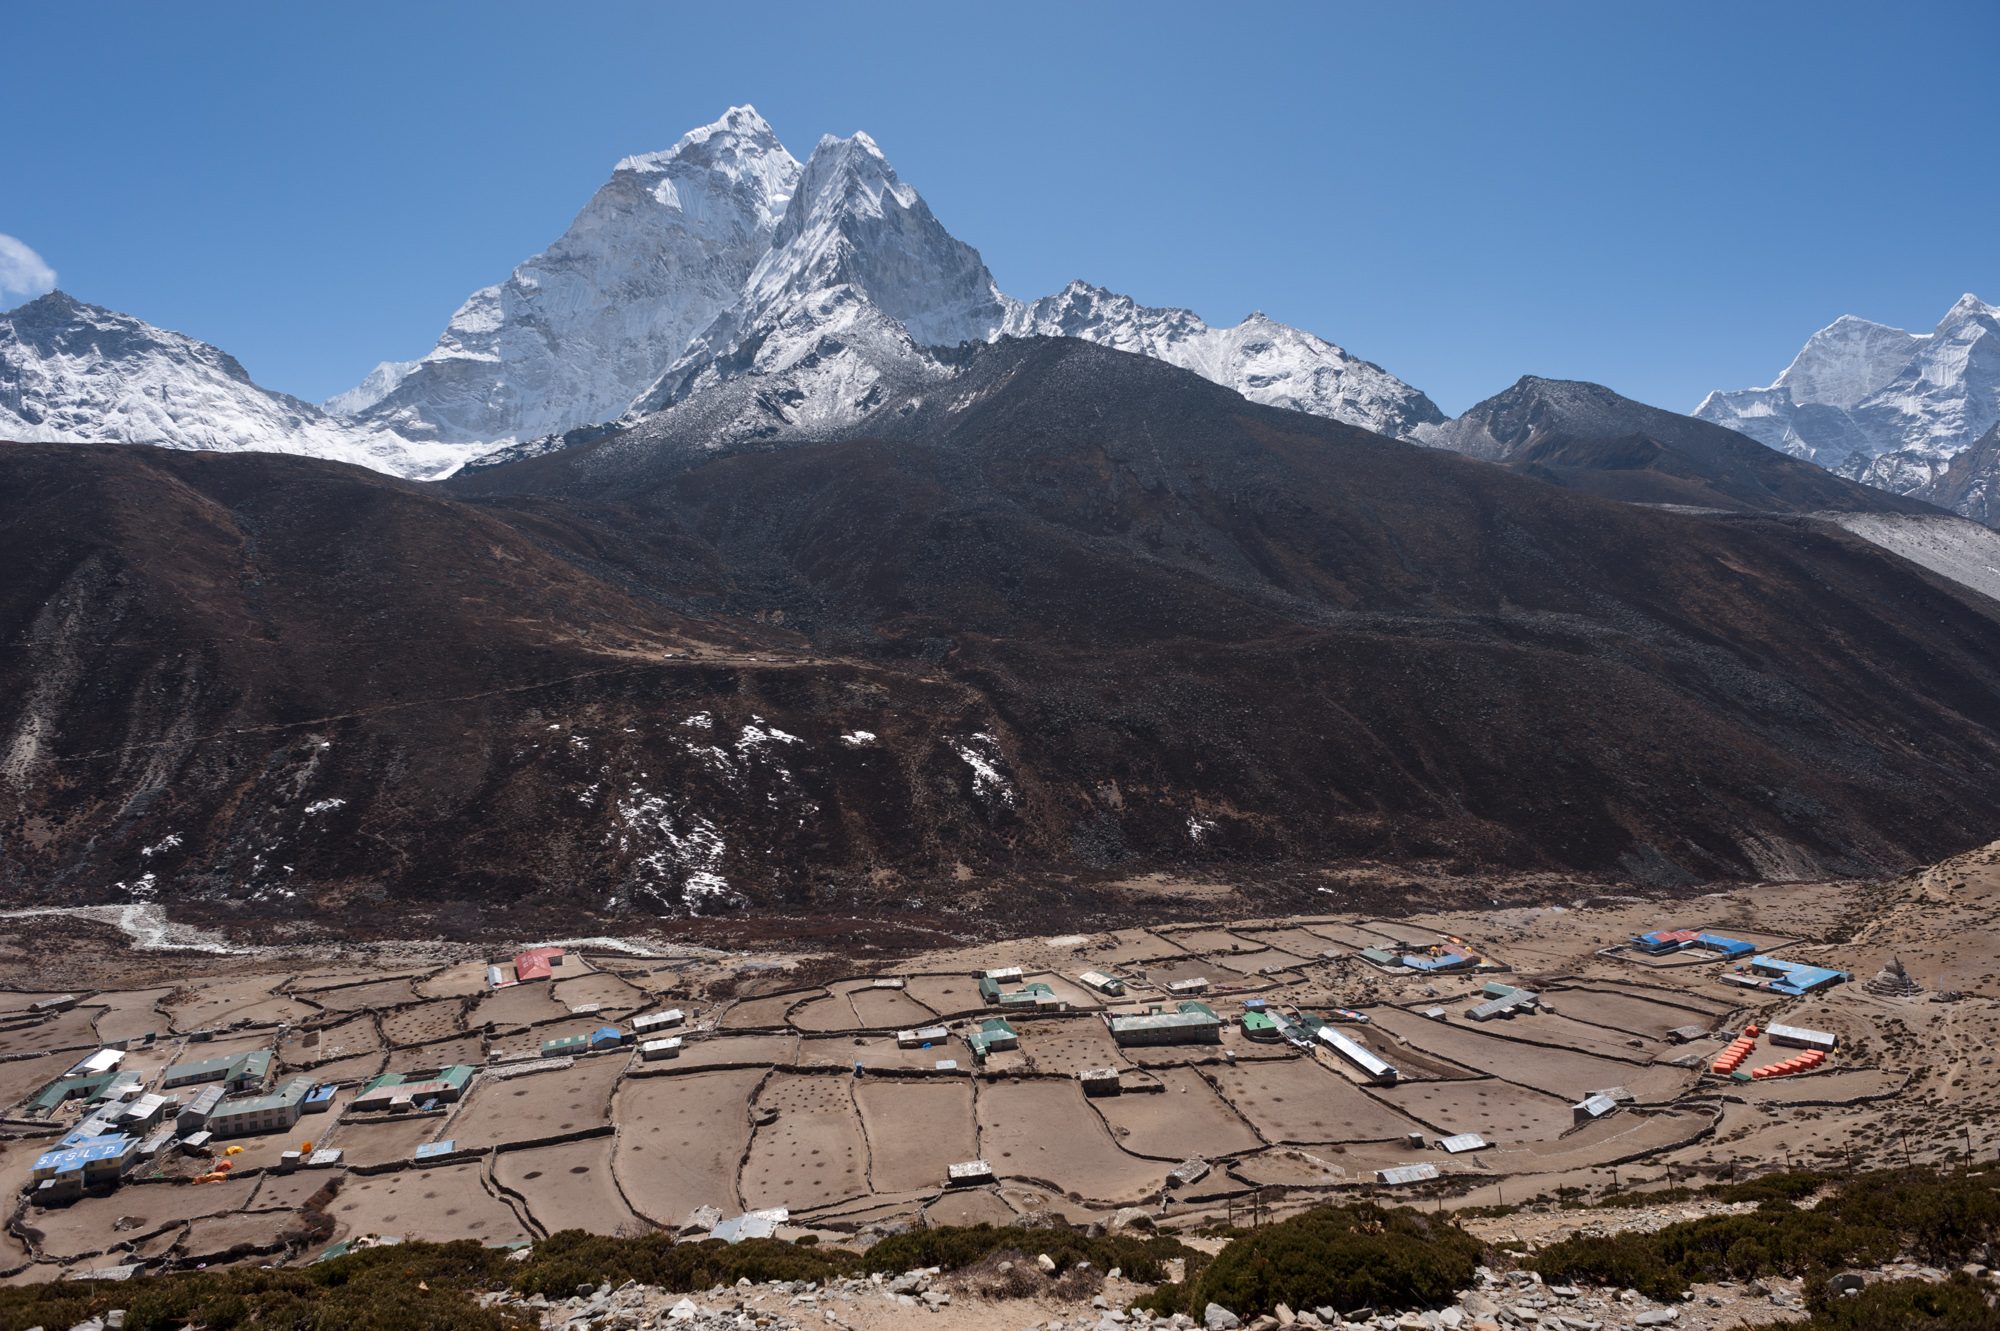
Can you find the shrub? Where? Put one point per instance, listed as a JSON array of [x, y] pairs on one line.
[[1907, 1305], [414, 1287], [1355, 1256], [563, 1261], [954, 1249], [1869, 1218]]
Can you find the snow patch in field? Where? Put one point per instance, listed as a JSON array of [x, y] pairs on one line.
[[325, 806], [166, 843], [855, 739], [981, 753], [700, 721], [1199, 828]]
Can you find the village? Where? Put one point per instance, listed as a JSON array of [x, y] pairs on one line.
[[1189, 1074]]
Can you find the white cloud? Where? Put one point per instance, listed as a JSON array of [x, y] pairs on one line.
[[23, 275]]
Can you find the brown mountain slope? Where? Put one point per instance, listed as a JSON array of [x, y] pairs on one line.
[[1585, 437], [1077, 613]]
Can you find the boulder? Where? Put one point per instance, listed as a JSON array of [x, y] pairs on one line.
[[1215, 1317]]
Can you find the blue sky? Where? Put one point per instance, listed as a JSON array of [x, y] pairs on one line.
[[1665, 198]]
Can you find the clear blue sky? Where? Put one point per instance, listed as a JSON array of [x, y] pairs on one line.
[[1662, 197]]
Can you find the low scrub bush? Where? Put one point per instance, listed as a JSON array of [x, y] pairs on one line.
[[414, 1287], [1907, 1305], [1867, 1219], [953, 1249], [1347, 1257], [571, 1258]]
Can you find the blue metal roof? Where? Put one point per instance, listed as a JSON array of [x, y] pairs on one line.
[[86, 1152], [1728, 947], [1797, 978]]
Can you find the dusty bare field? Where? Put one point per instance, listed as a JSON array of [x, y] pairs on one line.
[[763, 1106], [444, 1202], [1043, 1131], [1297, 1100], [681, 1139], [1185, 1118], [915, 1130], [811, 1153], [570, 1186], [546, 1104]]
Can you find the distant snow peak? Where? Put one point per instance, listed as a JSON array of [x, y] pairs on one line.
[[1860, 390], [379, 383], [1264, 360], [71, 372]]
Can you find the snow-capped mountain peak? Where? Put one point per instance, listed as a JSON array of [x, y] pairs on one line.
[[70, 371], [1266, 361], [376, 385], [854, 222], [1881, 404], [581, 328], [859, 279], [746, 295], [1860, 390]]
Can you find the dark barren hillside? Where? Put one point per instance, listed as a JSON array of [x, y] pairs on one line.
[[1073, 614]]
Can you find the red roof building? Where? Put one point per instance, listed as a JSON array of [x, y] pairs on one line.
[[535, 963]]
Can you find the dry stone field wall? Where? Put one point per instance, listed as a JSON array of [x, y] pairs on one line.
[[845, 1097]]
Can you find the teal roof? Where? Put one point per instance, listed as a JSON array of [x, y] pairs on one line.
[[291, 1093], [227, 1067], [68, 1088]]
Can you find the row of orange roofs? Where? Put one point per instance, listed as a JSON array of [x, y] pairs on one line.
[[1732, 1058], [1739, 1049], [1805, 1062]]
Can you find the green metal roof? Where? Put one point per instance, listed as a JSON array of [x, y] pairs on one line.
[[226, 1067], [68, 1088], [291, 1093]]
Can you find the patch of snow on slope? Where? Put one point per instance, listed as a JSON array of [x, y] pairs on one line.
[[681, 853], [982, 754]]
